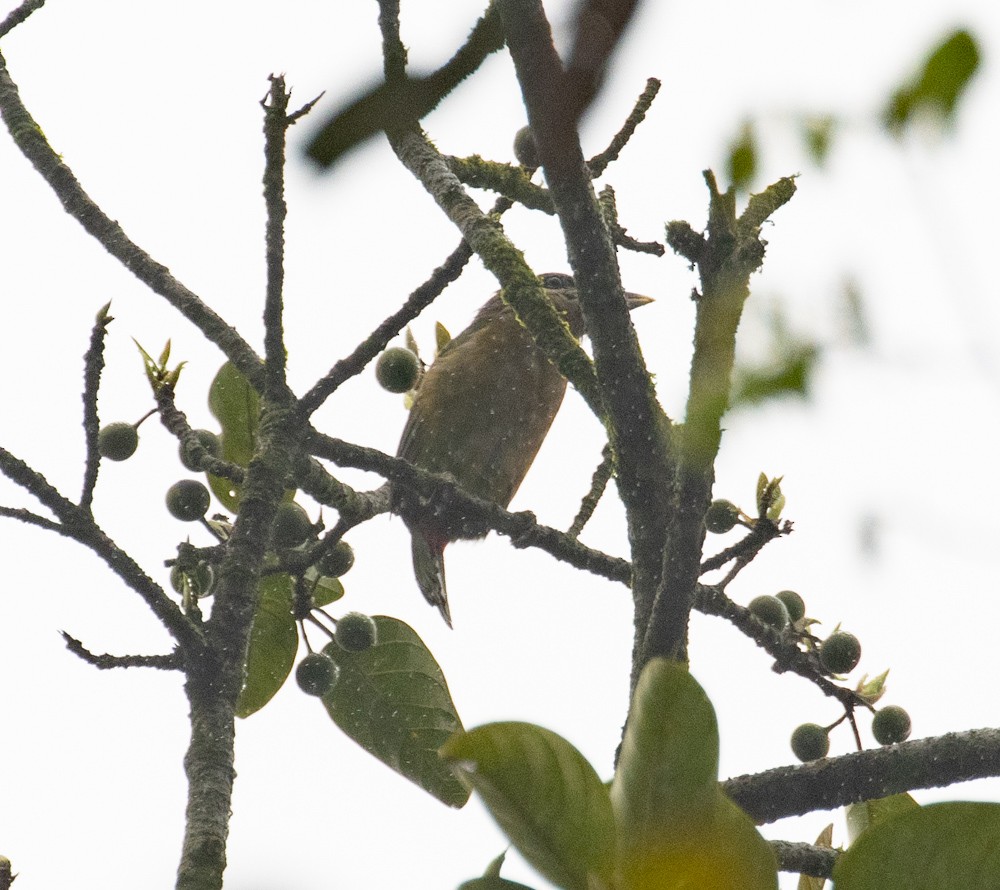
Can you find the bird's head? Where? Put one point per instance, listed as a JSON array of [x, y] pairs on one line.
[[562, 291]]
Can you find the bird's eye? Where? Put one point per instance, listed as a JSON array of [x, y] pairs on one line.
[[557, 281]]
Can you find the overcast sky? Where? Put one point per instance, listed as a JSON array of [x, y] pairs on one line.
[[890, 468]]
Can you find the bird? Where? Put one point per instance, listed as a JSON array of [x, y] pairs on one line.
[[479, 415]]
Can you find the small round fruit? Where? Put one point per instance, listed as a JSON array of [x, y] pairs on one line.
[[118, 441], [397, 369], [188, 500], [840, 652], [317, 674], [198, 581], [721, 516], [338, 561], [810, 741], [356, 632], [891, 724], [525, 149], [770, 610], [292, 526], [794, 603], [209, 441]]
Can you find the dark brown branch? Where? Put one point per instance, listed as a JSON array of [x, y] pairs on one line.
[[19, 15], [522, 528], [639, 431], [805, 859], [171, 662], [599, 481], [599, 162], [867, 775], [276, 124], [93, 365], [375, 342]]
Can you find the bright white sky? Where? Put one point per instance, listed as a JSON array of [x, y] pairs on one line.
[[155, 109]]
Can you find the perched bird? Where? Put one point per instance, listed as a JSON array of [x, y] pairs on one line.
[[480, 415]]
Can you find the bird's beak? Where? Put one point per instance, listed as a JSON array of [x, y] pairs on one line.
[[634, 301]]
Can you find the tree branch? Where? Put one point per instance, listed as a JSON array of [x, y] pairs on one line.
[[867, 775]]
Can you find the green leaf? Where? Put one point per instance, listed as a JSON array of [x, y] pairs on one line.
[[393, 700], [817, 132], [742, 160], [274, 641], [492, 884], [325, 590], [944, 846], [545, 796], [871, 690], [676, 829], [762, 483], [789, 372], [491, 879], [236, 405], [935, 89], [441, 337], [869, 813]]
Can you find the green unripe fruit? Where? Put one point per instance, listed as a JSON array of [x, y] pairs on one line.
[[337, 561], [117, 441], [355, 632], [794, 603], [525, 149], [317, 674], [197, 581], [840, 652], [770, 610], [721, 516], [397, 369], [188, 500], [810, 741], [292, 526], [209, 441], [891, 724]]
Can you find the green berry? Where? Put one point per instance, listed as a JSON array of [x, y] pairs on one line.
[[292, 526], [525, 149], [337, 561], [317, 674], [209, 441], [891, 724], [840, 652], [397, 369], [117, 441], [197, 581], [794, 603], [721, 516], [188, 500], [356, 632], [770, 610], [810, 741]]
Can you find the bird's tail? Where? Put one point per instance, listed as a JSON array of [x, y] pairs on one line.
[[428, 566]]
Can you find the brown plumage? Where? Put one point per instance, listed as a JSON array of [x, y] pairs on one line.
[[480, 415]]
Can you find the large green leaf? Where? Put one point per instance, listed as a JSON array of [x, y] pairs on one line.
[[393, 700], [274, 641], [546, 797], [676, 829], [236, 405], [945, 846]]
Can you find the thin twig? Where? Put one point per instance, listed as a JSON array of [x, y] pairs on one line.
[[93, 365], [171, 662]]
